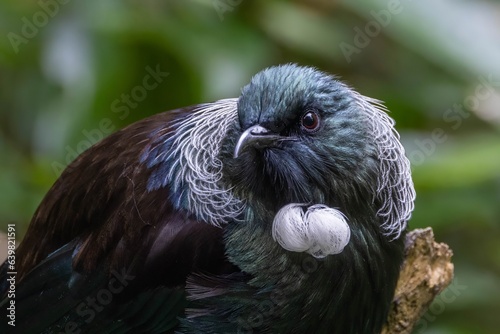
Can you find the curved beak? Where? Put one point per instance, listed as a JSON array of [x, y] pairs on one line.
[[256, 136]]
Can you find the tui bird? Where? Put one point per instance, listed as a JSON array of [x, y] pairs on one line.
[[281, 211]]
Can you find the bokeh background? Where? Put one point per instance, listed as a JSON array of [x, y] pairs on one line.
[[73, 71]]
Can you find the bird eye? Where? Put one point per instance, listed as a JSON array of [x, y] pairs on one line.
[[310, 121]]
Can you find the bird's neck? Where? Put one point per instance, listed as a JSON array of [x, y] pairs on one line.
[[362, 278]]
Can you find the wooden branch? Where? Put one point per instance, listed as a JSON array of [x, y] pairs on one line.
[[426, 272]]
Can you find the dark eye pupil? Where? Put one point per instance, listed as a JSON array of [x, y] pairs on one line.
[[310, 121]]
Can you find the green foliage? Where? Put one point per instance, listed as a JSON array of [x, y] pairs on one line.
[[72, 72]]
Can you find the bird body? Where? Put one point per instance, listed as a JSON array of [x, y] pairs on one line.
[[282, 211]]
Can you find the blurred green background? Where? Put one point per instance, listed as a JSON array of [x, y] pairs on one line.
[[72, 71]]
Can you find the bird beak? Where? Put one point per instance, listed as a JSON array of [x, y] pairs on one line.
[[256, 136]]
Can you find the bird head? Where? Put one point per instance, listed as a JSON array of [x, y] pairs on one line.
[[305, 137]]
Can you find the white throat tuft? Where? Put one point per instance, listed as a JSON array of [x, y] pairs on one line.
[[319, 231]]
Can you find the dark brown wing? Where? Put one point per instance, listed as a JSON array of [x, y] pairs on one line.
[[102, 200], [100, 224]]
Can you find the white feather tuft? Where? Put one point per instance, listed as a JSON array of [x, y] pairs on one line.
[[395, 187], [328, 230], [290, 228], [197, 144], [320, 231]]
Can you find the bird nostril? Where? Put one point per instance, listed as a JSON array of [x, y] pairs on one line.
[[259, 130], [268, 128]]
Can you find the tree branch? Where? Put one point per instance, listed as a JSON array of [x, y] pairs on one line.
[[426, 272]]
